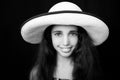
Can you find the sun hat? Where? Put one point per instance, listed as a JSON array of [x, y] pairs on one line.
[[64, 13]]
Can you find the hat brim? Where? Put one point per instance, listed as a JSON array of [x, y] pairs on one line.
[[33, 28]]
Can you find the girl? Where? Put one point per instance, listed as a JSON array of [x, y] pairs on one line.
[[66, 52], [67, 39]]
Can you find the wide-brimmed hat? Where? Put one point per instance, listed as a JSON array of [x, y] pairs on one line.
[[64, 13]]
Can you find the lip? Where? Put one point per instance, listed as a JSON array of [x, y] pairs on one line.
[[65, 47]]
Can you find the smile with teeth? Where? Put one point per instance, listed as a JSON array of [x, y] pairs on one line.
[[65, 49]]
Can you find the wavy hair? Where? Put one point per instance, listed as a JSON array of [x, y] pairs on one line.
[[84, 58]]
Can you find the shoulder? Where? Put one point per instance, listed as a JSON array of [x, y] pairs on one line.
[[33, 73]]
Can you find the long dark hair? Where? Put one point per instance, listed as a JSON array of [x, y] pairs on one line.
[[83, 56]]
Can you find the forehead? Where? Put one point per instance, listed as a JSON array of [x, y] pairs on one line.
[[64, 28]]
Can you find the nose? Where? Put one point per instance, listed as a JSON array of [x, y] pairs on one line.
[[66, 41]]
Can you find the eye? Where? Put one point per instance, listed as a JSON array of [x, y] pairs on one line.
[[74, 33], [57, 34]]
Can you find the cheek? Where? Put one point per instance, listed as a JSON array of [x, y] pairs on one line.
[[55, 41], [74, 41]]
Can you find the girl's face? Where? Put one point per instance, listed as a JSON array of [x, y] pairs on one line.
[[64, 39]]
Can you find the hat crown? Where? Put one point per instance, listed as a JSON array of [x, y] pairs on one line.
[[63, 6]]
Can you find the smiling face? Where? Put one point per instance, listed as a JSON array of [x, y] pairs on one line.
[[64, 39]]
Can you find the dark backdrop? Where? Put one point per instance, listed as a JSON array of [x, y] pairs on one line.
[[17, 56]]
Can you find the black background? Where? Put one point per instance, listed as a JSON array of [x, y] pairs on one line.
[[17, 56]]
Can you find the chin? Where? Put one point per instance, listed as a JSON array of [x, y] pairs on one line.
[[65, 54]]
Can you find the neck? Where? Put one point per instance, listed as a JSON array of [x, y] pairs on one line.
[[63, 60], [64, 68]]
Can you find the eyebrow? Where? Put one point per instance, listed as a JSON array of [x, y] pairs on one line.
[[56, 31], [72, 31]]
